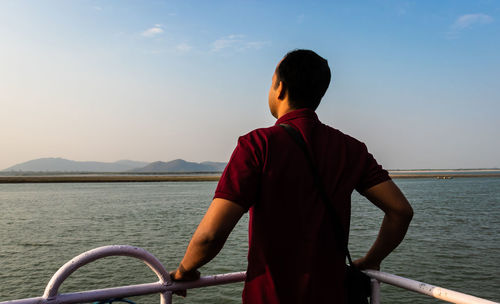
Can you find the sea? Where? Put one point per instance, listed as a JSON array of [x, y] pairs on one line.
[[453, 240]]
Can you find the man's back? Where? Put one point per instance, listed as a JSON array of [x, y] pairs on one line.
[[293, 248], [294, 256]]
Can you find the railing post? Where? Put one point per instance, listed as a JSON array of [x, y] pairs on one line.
[[166, 297], [375, 296]]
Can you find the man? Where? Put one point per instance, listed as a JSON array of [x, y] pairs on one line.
[[294, 255]]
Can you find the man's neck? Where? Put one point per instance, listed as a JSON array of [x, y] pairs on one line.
[[284, 109]]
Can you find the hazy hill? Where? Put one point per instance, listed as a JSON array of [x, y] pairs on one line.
[[180, 165], [66, 165], [219, 165], [131, 163]]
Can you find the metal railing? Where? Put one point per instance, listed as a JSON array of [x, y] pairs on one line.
[[165, 286]]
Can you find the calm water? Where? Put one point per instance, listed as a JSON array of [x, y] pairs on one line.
[[453, 240]]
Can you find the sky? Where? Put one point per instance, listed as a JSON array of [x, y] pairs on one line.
[[417, 81]]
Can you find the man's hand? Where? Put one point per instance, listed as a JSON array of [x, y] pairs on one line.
[[181, 275], [363, 264]]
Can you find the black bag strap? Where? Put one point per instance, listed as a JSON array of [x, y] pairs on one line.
[[337, 225]]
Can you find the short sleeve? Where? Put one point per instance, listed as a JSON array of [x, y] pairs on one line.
[[240, 180], [372, 173]]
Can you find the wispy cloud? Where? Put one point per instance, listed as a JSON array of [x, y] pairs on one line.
[[469, 20], [300, 18], [402, 7], [236, 42], [396, 7], [183, 47], [97, 8], [154, 31], [230, 41]]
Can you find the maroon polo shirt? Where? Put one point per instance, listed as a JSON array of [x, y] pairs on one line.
[[293, 253]]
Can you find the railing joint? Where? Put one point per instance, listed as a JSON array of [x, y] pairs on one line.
[[168, 283]]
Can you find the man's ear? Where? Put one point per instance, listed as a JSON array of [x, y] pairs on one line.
[[281, 90]]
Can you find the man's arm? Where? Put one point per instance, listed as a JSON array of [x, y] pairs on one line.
[[209, 237], [398, 214]]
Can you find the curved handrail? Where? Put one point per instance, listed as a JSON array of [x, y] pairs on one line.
[[105, 251]]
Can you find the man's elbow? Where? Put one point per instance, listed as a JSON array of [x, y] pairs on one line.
[[408, 213], [401, 212], [209, 239], [404, 214]]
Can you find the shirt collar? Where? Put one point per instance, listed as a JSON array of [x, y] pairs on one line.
[[300, 113]]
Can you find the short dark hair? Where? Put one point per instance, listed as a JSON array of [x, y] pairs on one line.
[[306, 76]]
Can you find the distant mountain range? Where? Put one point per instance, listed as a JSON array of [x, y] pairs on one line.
[[180, 165], [66, 165]]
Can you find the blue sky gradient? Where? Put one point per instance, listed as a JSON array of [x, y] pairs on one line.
[[418, 81]]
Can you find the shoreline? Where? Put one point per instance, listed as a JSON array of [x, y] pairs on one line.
[[105, 178], [188, 178]]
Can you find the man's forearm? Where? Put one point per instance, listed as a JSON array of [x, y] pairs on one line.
[[211, 234], [392, 232], [398, 214], [201, 250]]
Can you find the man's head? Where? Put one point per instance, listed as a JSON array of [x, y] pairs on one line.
[[305, 77]]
